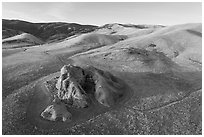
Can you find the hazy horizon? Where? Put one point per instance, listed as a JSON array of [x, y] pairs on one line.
[[100, 13]]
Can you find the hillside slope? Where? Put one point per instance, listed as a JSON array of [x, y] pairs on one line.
[[126, 29], [45, 31], [170, 48], [21, 40], [161, 69]]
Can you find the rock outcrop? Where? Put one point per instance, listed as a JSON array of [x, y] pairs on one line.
[[69, 86], [108, 89], [57, 111], [77, 88]]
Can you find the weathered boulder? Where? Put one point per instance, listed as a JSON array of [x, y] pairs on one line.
[[57, 111]]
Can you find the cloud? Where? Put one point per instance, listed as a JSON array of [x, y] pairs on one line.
[[37, 12], [101, 13]]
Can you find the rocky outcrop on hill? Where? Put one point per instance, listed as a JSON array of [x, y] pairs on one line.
[[78, 87]]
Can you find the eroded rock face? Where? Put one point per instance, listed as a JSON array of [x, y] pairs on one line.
[[69, 86], [69, 72], [107, 89]]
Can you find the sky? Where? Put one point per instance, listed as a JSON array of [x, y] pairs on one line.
[[100, 13]]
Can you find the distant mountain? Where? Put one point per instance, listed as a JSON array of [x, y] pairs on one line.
[[45, 31], [9, 32], [141, 26], [58, 31], [21, 40], [126, 29]]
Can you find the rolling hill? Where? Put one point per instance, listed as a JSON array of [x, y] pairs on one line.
[[44, 31], [21, 40], [158, 68]]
